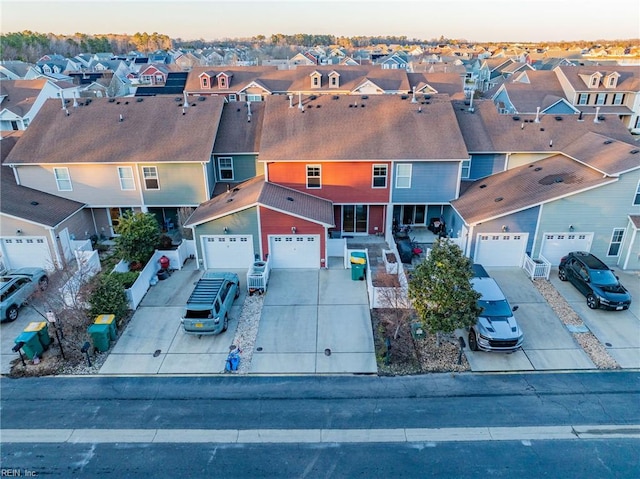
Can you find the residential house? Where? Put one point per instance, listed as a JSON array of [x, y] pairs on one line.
[[18, 70], [606, 92], [532, 182], [156, 73], [144, 154]]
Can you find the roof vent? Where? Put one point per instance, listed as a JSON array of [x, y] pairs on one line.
[[365, 97], [403, 97], [111, 100], [117, 103], [541, 129], [34, 203], [312, 97], [235, 190], [537, 168], [178, 98], [634, 152], [139, 100], [516, 118], [202, 98], [336, 97], [607, 142], [289, 198], [126, 102], [363, 105], [427, 97], [350, 105], [229, 200], [498, 199], [318, 106], [238, 109], [601, 118], [558, 180], [558, 118], [482, 186]]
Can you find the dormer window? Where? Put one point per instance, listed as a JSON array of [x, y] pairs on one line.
[[222, 82], [611, 80], [205, 82], [316, 79], [334, 79], [594, 81]]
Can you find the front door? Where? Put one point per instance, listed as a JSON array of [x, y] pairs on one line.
[[354, 218]]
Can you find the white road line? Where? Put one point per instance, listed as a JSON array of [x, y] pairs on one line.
[[318, 436]]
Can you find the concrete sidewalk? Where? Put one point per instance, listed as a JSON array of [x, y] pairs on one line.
[[315, 321]]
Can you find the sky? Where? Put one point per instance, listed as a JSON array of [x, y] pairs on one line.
[[472, 20]]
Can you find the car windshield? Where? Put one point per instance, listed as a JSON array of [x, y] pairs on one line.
[[603, 277], [495, 308]]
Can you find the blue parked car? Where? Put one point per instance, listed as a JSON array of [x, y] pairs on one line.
[[16, 287]]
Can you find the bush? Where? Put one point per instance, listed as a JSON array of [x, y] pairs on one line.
[[126, 279], [108, 297], [139, 236], [165, 242]]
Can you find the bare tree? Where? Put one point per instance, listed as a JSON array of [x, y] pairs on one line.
[[390, 295]]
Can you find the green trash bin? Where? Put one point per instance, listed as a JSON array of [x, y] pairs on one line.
[[42, 328], [358, 266], [32, 346], [109, 319], [100, 336]]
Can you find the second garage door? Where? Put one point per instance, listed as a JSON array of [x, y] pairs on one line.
[[295, 251], [27, 251], [227, 251], [557, 245], [500, 249]]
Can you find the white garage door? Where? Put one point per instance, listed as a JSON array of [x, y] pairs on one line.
[[27, 251], [295, 251], [227, 251], [500, 249], [557, 245]]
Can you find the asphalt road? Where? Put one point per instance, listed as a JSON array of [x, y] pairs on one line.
[[442, 425]]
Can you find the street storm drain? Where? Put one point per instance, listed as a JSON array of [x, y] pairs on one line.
[[156, 353], [327, 352]]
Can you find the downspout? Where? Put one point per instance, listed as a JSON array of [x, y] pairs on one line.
[[196, 241], [260, 233], [54, 241], [143, 207], [205, 175], [633, 238], [468, 246]]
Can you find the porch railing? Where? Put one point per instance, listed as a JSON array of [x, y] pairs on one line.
[[537, 268]]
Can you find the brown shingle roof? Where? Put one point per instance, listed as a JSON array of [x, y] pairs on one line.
[[447, 83], [154, 129], [629, 77], [608, 156], [385, 128], [486, 130], [242, 76], [524, 187], [235, 133], [542, 90], [21, 94], [258, 192], [33, 205]]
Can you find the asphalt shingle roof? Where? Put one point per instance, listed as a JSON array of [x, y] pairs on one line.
[[152, 129], [236, 134], [380, 127]]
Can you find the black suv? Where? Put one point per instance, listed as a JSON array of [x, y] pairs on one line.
[[595, 280]]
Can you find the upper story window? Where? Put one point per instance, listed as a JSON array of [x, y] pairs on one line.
[[594, 81], [583, 99], [233, 97], [150, 175], [205, 82], [618, 98], [379, 176], [225, 168], [403, 175], [63, 179], [636, 198], [466, 169], [601, 98], [254, 98], [125, 174], [222, 82], [314, 176]]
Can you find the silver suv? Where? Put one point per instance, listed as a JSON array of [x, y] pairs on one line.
[[496, 328], [16, 287]]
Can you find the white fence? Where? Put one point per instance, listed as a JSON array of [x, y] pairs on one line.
[[336, 246], [138, 289], [177, 256], [87, 266], [537, 268], [258, 276]]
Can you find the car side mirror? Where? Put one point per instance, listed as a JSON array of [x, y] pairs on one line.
[[515, 308]]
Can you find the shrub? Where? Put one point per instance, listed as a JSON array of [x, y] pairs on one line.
[[139, 236], [108, 297], [126, 279]]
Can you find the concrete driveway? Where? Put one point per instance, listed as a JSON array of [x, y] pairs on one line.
[[314, 321], [10, 331], [548, 344], [305, 312], [618, 331]]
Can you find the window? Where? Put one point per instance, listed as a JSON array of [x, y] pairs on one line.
[[611, 81], [583, 99], [334, 81], [125, 174], [222, 82], [636, 198], [379, 176], [225, 168], [316, 81], [466, 168], [233, 97], [205, 82], [403, 176], [616, 242], [594, 81], [618, 98], [63, 180], [313, 176], [150, 174], [601, 98], [254, 98]]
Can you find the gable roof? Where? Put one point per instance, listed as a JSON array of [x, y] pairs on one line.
[[153, 129], [524, 187], [534, 89], [608, 156], [20, 94], [242, 76], [446, 83], [33, 205], [629, 79], [255, 192], [380, 127], [235, 133], [486, 130]]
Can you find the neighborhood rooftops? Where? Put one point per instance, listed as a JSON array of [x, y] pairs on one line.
[[255, 192], [363, 127], [121, 130], [240, 128]]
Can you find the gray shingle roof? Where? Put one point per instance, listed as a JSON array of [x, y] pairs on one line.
[[152, 129], [524, 187], [381, 127], [235, 133], [258, 192], [21, 94]]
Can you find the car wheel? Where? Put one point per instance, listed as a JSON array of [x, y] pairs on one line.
[[473, 341], [12, 313], [562, 274], [592, 302], [225, 324], [43, 283]]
